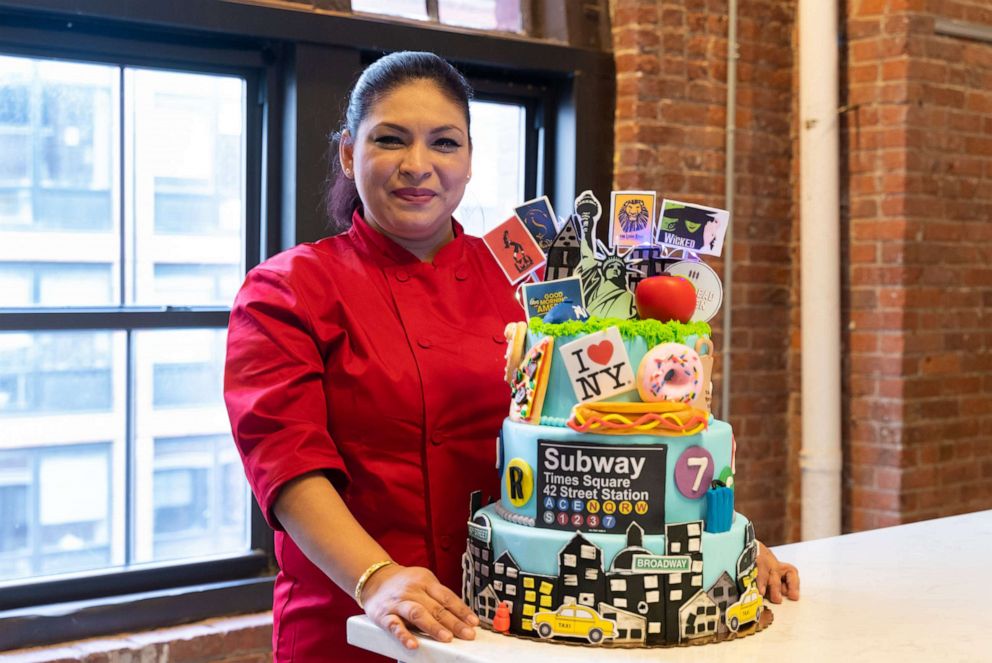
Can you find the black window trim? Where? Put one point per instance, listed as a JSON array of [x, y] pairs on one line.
[[292, 60]]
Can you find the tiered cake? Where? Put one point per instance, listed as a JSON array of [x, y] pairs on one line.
[[615, 525]]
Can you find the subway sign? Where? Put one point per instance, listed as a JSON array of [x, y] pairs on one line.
[[661, 563]]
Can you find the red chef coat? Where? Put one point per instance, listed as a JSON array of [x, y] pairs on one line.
[[351, 356]]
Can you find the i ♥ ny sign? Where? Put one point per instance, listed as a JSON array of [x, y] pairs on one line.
[[598, 365]]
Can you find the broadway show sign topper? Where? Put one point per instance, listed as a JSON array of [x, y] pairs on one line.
[[631, 218], [695, 228]]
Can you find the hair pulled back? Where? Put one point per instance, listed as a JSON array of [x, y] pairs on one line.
[[378, 79]]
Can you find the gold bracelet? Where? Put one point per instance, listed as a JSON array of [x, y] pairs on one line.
[[365, 578]]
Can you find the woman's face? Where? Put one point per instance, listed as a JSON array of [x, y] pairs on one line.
[[410, 160]]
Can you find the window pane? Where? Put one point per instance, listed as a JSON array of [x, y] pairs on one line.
[[188, 178], [61, 452], [482, 14], [191, 497], [403, 8], [498, 150], [59, 230]]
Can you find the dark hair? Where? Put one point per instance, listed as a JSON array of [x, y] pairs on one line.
[[381, 77]]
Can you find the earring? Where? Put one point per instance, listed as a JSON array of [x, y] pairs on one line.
[[347, 173]]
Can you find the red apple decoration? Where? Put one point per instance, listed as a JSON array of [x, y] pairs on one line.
[[665, 298]]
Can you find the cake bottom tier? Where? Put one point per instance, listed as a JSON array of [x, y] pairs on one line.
[[626, 589]]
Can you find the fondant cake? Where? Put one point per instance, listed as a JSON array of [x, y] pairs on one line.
[[615, 525]]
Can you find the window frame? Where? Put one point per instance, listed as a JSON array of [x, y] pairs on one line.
[[26, 615], [293, 60]]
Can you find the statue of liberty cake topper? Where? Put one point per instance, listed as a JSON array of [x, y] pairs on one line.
[[606, 282], [589, 210]]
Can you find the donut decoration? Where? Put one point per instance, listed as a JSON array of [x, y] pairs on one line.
[[670, 372], [515, 335], [530, 382]]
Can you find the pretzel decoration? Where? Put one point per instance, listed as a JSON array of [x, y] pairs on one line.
[[515, 335], [703, 399]]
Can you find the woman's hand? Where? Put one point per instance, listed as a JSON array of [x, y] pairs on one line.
[[776, 579], [399, 597]]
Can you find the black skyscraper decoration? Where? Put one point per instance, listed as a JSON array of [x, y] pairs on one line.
[[565, 251], [647, 261], [682, 539], [580, 571], [635, 591], [506, 582], [748, 558]]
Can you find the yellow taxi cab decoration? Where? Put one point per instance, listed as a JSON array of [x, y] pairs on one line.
[[575, 621], [747, 609]]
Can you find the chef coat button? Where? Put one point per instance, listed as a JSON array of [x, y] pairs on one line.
[[445, 542], [436, 439], [461, 273], [402, 276], [424, 342]]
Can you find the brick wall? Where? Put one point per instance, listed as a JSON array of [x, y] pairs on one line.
[[919, 277], [242, 639], [916, 237], [670, 137]]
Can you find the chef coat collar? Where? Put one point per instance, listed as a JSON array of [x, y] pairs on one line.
[[386, 251]]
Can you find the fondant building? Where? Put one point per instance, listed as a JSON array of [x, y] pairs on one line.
[[647, 261], [723, 592], [479, 564], [506, 583], [580, 570], [564, 253], [537, 594], [485, 605], [684, 539], [698, 617], [630, 626], [748, 558], [641, 593]]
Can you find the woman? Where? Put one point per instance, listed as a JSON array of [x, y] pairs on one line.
[[364, 376]]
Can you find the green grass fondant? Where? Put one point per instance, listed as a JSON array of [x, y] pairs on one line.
[[653, 332]]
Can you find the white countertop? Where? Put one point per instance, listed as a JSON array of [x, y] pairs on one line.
[[909, 593]]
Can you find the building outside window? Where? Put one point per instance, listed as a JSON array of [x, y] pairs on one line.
[[121, 188]]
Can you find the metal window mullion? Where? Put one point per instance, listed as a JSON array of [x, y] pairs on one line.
[[122, 152], [35, 100], [113, 318], [533, 157], [129, 448], [34, 513]]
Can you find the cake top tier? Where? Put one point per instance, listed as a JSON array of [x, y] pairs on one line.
[[596, 369]]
